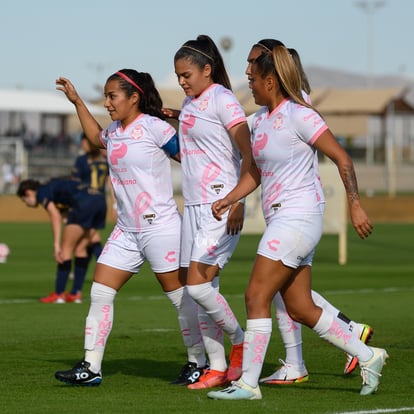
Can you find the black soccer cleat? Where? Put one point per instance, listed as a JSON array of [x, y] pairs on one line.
[[190, 374], [79, 375]]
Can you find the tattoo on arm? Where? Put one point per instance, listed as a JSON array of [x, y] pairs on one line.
[[350, 182]]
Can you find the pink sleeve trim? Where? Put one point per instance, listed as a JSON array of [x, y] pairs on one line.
[[235, 122], [318, 133]]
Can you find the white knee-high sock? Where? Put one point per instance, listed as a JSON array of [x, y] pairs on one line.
[[213, 341], [187, 310], [98, 324], [290, 331], [256, 341], [213, 336], [324, 304], [337, 332], [218, 309]]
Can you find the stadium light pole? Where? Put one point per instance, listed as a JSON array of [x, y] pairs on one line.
[[370, 7], [226, 44]]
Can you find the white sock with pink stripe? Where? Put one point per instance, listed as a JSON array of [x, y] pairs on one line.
[[187, 310], [218, 309], [290, 331], [338, 333], [98, 324], [256, 341]]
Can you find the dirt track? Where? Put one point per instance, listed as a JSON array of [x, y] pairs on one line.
[[379, 208]]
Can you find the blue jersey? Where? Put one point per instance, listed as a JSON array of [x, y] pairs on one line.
[[84, 207], [91, 171]]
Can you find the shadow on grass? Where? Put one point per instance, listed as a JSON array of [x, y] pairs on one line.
[[135, 367]]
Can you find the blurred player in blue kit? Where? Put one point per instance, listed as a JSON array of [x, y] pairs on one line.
[[91, 169], [83, 210]]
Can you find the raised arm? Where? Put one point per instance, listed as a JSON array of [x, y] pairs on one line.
[[90, 126]]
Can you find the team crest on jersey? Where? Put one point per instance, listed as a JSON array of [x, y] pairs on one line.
[[278, 121], [137, 132], [217, 187], [203, 104], [149, 218]]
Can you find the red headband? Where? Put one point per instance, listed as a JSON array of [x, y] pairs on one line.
[[129, 80]]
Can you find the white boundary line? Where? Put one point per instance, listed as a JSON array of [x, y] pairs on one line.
[[378, 411], [325, 292]]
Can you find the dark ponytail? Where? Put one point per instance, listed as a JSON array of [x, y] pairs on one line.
[[203, 51]]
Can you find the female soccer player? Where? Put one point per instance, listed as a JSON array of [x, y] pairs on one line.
[[138, 143], [84, 211], [286, 132], [293, 369], [214, 140], [90, 168]]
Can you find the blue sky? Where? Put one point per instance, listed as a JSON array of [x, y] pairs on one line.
[[87, 40]]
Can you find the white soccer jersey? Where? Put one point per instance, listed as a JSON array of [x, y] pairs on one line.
[[209, 158], [319, 187], [282, 148], [141, 173], [318, 182]]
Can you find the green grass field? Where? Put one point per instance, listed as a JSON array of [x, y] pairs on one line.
[[145, 349]]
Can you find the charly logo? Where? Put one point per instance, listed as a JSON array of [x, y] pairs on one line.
[[272, 244], [170, 256]]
